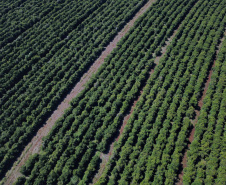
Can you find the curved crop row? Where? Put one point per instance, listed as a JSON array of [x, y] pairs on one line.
[[153, 141], [50, 66], [206, 156], [95, 114]]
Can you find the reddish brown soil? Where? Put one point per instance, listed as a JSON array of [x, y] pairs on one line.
[[35, 145], [206, 86], [126, 118], [184, 160], [191, 136], [194, 122], [106, 157], [200, 104]]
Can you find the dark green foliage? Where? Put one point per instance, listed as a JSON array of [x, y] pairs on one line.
[[206, 156], [53, 47], [151, 148], [26, 169], [40, 66], [99, 109], [20, 181]]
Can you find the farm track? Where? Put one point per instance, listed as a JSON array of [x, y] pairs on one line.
[[35, 145], [197, 112], [105, 157]]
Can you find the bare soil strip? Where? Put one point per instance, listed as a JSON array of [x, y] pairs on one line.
[[197, 112], [194, 122], [105, 157], [35, 145]]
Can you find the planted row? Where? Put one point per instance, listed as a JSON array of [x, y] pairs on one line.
[[96, 113], [206, 155], [38, 83], [151, 147]]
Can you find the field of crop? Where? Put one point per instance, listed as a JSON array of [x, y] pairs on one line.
[[113, 92]]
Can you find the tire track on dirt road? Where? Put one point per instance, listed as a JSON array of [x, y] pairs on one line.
[[105, 157], [197, 112], [35, 145]]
